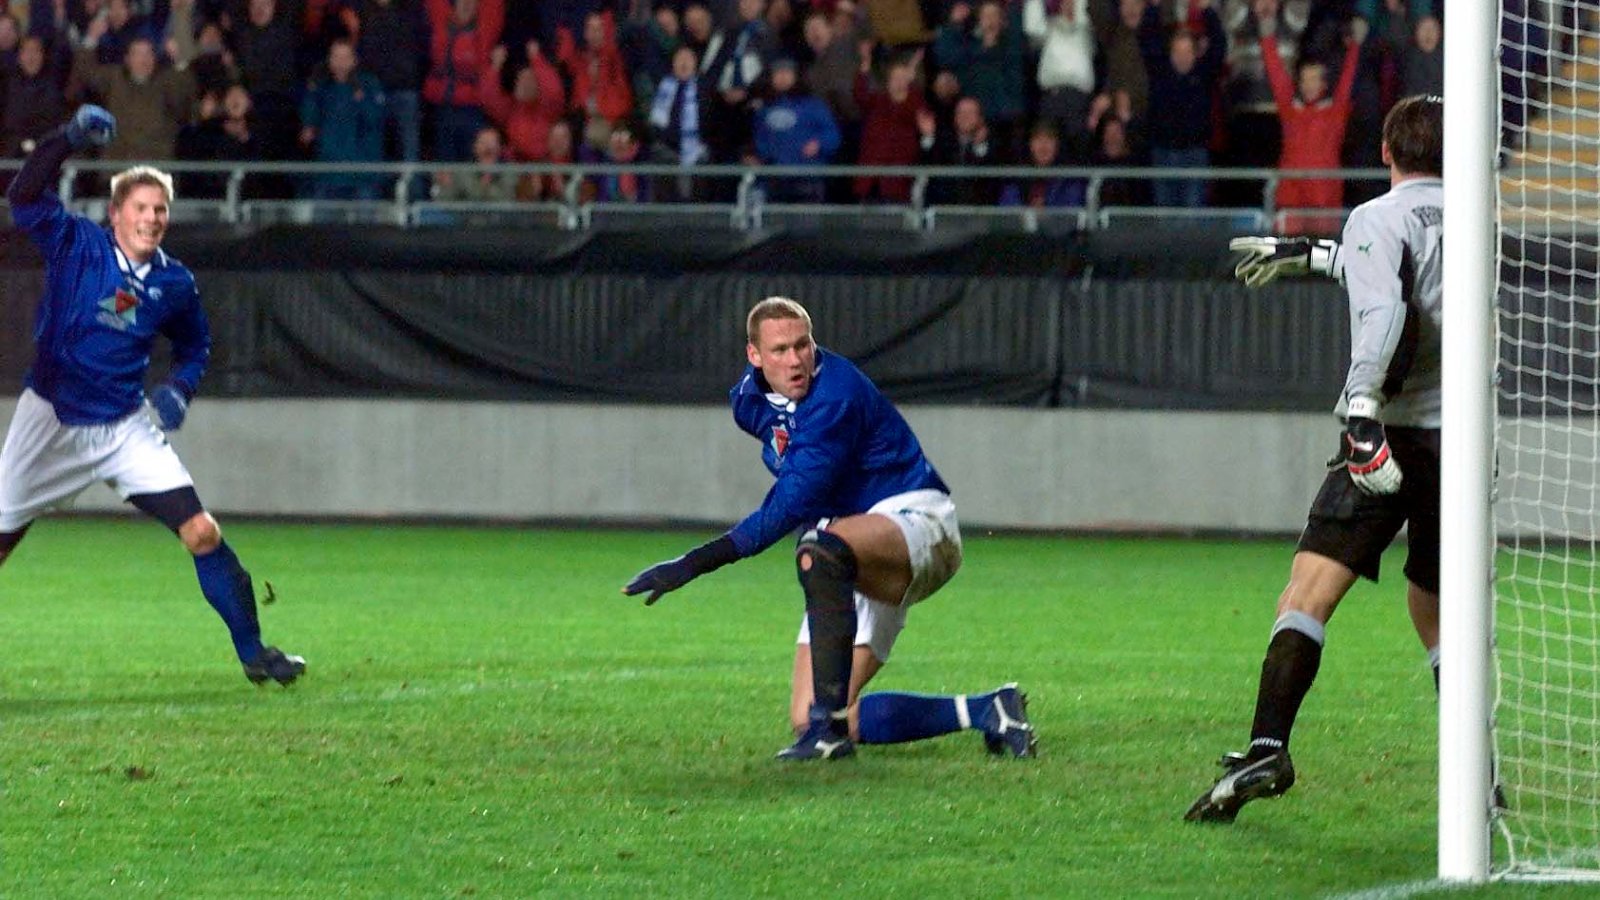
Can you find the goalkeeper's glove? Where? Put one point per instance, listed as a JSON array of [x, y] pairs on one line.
[[171, 405], [91, 126], [1266, 258], [1366, 450], [668, 576]]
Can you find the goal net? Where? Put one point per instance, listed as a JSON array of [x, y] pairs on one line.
[[1547, 515]]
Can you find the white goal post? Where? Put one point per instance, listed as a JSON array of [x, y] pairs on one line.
[[1520, 535], [1471, 128]]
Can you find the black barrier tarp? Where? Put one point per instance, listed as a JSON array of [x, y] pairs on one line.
[[658, 317]]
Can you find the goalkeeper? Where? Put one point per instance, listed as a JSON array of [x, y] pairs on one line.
[[1386, 473]]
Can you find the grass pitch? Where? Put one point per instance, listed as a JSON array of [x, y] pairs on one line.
[[485, 715]]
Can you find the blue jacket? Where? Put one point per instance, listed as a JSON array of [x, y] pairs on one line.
[[787, 122], [348, 129], [837, 451], [1181, 104], [96, 324]]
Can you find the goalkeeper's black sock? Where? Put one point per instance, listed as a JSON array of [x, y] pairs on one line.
[[827, 568], [1293, 656]]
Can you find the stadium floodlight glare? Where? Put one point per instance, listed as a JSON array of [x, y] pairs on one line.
[[1522, 216]]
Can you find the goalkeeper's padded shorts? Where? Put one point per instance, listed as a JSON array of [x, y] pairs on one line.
[[1354, 528]]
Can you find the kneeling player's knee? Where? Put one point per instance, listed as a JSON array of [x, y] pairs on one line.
[[200, 534], [824, 557]]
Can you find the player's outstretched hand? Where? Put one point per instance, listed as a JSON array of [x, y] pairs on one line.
[[1267, 258], [91, 126], [170, 405], [1367, 457], [661, 578]]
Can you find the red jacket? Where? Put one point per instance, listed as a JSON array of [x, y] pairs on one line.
[[889, 137], [527, 125], [460, 57], [597, 71], [1312, 135]]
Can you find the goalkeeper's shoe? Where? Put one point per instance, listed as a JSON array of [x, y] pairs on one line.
[[276, 665], [1005, 724], [1243, 780], [826, 737]]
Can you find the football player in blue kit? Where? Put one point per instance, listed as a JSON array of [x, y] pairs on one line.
[[880, 535], [108, 293]]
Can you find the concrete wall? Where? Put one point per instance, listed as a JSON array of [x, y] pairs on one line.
[[1008, 467]]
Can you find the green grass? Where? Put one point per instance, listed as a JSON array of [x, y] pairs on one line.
[[486, 716]]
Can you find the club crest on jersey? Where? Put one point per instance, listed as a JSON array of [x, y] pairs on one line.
[[780, 440], [119, 310]]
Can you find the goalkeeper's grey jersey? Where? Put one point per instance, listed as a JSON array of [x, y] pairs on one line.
[[1393, 259]]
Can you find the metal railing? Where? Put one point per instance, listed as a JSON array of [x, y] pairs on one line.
[[741, 199]]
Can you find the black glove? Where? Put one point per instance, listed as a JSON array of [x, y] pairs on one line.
[[668, 576]]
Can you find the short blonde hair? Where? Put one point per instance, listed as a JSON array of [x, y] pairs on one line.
[[123, 183], [774, 308]]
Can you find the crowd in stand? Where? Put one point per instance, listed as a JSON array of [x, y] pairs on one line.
[[1185, 83]]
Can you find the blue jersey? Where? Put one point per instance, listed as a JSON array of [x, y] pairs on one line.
[[836, 452], [97, 322]]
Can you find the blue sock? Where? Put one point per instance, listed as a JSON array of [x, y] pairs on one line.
[[227, 588], [894, 718]]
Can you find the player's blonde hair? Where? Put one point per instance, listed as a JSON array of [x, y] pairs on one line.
[[774, 308], [123, 183]]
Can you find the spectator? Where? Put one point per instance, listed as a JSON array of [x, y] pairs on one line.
[[1419, 46], [112, 33], [793, 128], [600, 95], [698, 29], [225, 133], [647, 48], [535, 103], [342, 121], [10, 42], [1114, 148], [210, 60], [34, 102], [392, 41], [898, 24], [463, 38], [1253, 133], [832, 73], [1044, 191], [1061, 28], [1182, 78], [262, 46], [890, 124], [150, 104], [559, 150], [988, 61], [1313, 126], [1118, 38], [735, 62], [966, 143], [680, 106], [622, 148], [484, 186]]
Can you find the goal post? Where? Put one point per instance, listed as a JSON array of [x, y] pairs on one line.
[[1471, 129]]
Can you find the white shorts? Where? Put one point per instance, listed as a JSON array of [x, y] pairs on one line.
[[45, 464], [933, 539]]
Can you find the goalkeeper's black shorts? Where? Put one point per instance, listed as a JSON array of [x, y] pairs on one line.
[[1354, 528]]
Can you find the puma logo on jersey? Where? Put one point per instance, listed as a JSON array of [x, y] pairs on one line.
[[1365, 248]]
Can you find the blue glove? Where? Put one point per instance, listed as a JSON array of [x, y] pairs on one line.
[[664, 577], [91, 126], [660, 579], [170, 404]]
